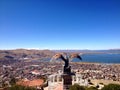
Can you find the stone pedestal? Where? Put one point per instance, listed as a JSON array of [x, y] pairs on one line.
[[67, 81]]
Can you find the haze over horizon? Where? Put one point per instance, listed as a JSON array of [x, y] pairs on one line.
[[57, 49], [60, 24]]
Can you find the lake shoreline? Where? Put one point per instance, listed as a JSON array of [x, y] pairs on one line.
[[96, 63]]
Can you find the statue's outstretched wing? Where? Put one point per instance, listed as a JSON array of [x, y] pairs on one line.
[[75, 56], [59, 56]]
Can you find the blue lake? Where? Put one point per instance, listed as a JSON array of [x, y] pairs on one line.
[[100, 58]]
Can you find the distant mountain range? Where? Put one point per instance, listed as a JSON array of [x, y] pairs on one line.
[[24, 54]]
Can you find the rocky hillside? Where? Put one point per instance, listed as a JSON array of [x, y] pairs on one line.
[[24, 54]]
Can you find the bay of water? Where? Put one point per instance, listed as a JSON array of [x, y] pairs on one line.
[[100, 58]]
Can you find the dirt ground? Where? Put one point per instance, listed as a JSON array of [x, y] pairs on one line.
[[105, 82]]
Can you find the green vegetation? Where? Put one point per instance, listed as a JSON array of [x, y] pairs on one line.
[[106, 87], [111, 87], [18, 87], [91, 88], [77, 87]]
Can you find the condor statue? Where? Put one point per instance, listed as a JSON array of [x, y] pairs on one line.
[[66, 58]]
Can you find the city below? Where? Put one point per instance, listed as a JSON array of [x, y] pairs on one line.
[[28, 68]]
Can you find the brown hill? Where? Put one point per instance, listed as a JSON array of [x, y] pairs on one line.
[[25, 54]]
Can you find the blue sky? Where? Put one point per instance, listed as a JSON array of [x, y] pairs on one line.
[[60, 24]]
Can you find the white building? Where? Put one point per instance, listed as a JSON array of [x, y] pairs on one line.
[[55, 81]]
